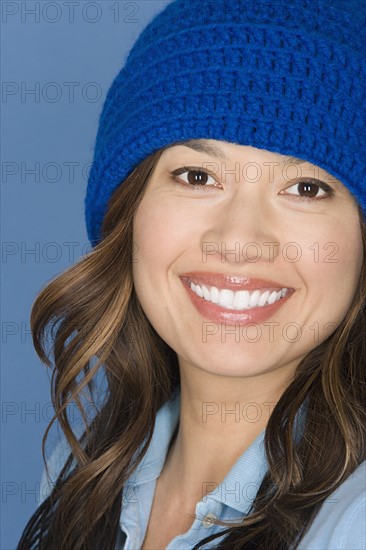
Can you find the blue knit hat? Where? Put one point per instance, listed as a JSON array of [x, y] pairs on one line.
[[283, 75]]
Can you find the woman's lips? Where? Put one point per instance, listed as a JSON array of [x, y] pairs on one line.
[[219, 314]]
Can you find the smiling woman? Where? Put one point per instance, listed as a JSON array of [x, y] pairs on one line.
[[224, 298], [201, 283]]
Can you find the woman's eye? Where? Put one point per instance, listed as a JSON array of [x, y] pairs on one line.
[[310, 189], [193, 176]]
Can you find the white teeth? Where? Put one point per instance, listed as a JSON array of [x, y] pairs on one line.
[[272, 298], [254, 297], [199, 291], [262, 300], [226, 297], [206, 292], [239, 300], [215, 296]]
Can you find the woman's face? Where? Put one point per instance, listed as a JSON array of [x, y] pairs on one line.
[[244, 227]]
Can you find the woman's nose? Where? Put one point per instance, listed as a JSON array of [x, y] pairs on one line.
[[244, 229]]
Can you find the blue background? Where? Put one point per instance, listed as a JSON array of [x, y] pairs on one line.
[[68, 53]]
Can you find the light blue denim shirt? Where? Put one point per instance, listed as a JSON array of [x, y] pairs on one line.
[[340, 523]]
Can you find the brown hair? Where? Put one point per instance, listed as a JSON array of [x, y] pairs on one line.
[[93, 312]]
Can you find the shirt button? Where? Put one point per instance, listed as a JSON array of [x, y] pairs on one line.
[[207, 520]]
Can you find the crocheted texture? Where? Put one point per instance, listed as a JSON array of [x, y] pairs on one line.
[[286, 76]]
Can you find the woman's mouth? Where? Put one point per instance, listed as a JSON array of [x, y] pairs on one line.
[[224, 304]]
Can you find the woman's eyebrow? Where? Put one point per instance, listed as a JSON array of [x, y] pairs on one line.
[[215, 151], [203, 147]]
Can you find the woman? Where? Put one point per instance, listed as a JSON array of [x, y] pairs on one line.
[[225, 295]]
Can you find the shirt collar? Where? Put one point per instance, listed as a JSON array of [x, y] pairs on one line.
[[240, 485], [167, 419]]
